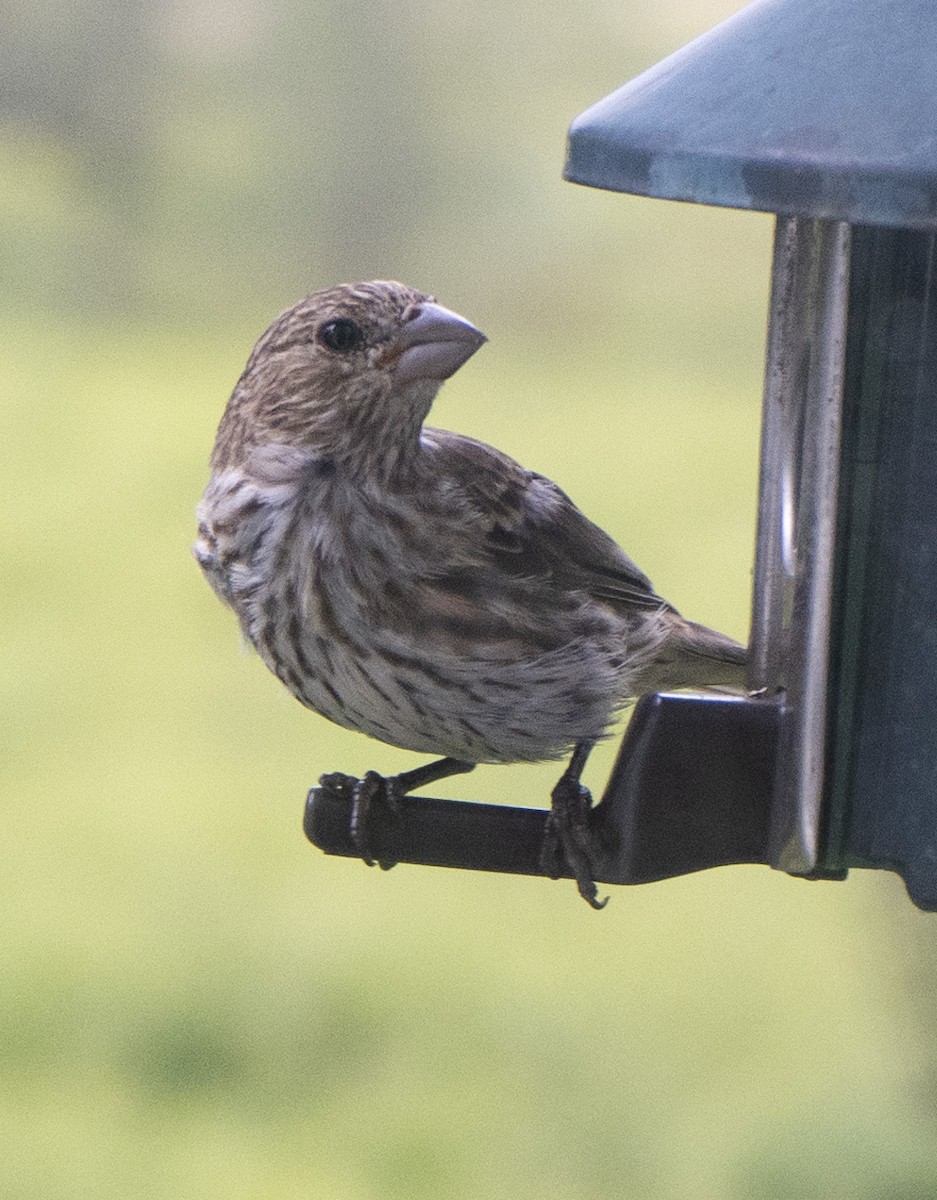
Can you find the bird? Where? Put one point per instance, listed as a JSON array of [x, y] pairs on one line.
[[420, 586]]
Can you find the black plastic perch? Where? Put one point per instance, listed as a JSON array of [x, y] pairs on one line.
[[825, 114], [686, 793]]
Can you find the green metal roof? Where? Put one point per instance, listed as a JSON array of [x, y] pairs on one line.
[[818, 108]]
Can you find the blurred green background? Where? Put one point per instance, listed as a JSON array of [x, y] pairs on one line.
[[193, 1001]]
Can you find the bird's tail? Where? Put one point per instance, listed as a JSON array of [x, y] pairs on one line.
[[694, 656], [719, 660]]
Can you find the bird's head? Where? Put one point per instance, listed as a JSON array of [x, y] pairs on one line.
[[349, 374]]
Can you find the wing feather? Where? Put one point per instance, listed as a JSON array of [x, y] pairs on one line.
[[524, 525]]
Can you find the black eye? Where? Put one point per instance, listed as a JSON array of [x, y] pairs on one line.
[[340, 335]]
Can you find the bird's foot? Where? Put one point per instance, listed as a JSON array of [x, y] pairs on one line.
[[571, 840], [388, 791], [363, 793]]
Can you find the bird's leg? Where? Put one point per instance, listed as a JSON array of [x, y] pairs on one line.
[[388, 789], [568, 829]]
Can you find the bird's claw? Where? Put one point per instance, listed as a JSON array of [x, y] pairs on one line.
[[337, 783], [570, 839], [363, 792]]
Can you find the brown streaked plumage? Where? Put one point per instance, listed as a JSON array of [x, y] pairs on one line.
[[418, 585]]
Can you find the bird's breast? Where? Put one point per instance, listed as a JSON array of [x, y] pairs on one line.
[[369, 615]]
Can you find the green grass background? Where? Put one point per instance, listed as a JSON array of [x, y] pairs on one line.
[[194, 1001]]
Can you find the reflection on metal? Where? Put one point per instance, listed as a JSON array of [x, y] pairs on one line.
[[797, 517]]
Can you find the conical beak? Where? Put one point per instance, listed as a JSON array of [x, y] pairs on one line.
[[434, 343]]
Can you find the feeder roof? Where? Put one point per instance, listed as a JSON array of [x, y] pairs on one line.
[[817, 108]]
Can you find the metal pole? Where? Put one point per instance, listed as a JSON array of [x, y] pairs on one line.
[[797, 518]]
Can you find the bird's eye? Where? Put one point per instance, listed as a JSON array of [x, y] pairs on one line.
[[340, 335]]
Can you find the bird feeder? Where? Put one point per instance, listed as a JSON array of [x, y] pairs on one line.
[[826, 115]]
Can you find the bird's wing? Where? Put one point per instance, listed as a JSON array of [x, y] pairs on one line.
[[528, 527]]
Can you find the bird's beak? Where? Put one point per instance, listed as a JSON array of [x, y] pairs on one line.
[[434, 343]]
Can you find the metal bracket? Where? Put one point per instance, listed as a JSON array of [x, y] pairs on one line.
[[791, 606]]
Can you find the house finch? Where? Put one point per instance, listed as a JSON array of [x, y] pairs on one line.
[[418, 585]]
